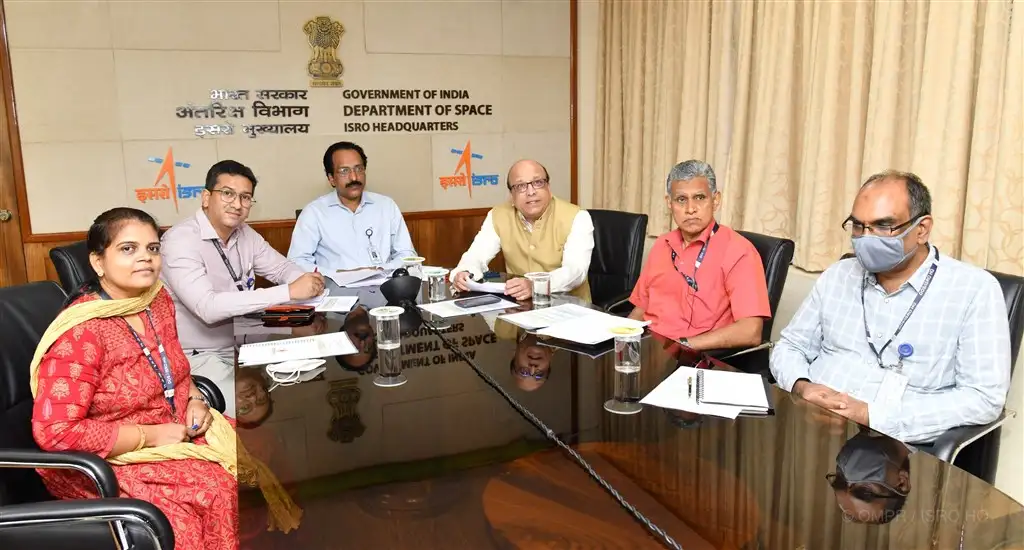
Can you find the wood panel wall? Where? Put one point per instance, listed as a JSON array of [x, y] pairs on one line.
[[441, 237]]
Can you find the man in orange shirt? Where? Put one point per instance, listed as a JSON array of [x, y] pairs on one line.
[[703, 284]]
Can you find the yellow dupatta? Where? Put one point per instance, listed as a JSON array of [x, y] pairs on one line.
[[222, 445]]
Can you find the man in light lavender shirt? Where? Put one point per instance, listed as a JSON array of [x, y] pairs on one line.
[[211, 261]]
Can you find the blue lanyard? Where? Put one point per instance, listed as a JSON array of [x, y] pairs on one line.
[[917, 300], [692, 281], [163, 371]]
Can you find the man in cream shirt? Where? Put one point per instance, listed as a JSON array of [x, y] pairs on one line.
[[535, 232]]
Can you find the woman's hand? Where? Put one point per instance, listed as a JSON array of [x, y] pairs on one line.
[[197, 418], [158, 435]]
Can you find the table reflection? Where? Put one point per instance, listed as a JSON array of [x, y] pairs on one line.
[[872, 477]]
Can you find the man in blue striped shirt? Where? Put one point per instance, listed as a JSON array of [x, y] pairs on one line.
[[349, 228]]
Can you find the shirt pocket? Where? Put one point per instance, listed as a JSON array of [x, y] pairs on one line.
[[931, 365]]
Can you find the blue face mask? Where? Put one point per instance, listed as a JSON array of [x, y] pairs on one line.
[[881, 254]]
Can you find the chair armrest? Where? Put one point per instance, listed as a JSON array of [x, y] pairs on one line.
[[728, 353], [88, 463], [210, 390], [131, 511], [954, 440], [614, 302]]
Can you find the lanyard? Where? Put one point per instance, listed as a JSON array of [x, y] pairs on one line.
[[692, 281], [917, 300], [163, 371], [231, 270]]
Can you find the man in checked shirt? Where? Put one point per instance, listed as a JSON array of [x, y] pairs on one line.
[[904, 338]]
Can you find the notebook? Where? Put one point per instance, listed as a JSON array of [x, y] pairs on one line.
[[737, 389], [310, 347]]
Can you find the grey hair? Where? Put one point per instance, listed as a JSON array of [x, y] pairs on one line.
[[687, 170], [920, 197]]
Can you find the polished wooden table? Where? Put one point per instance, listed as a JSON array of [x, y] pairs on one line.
[[445, 461]]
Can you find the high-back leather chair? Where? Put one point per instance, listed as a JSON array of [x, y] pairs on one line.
[[776, 256], [29, 517], [976, 448], [617, 258], [72, 263]]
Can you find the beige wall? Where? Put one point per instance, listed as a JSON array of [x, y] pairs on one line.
[[97, 84]]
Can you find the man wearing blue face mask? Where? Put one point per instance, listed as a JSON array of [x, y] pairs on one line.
[[904, 339]]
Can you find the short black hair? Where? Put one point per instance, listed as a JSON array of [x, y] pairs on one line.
[[341, 146], [230, 167], [920, 197], [508, 175]]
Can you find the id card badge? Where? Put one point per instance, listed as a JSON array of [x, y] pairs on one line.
[[894, 384], [374, 256]]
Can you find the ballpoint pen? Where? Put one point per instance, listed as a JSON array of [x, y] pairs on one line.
[[689, 386]]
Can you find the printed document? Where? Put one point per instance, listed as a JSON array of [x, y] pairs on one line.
[[310, 347]]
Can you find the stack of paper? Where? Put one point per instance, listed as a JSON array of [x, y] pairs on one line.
[[310, 347], [358, 278], [340, 304], [573, 323], [681, 391]]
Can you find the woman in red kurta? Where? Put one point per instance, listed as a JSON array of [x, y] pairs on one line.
[[98, 392]]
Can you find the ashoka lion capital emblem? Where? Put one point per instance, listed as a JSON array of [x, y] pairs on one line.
[[324, 37]]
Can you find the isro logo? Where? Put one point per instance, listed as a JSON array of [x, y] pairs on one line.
[[165, 187], [464, 175]]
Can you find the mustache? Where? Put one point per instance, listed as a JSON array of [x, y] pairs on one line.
[[354, 183]]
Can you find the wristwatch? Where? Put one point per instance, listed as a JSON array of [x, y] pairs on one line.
[[685, 342], [199, 397]]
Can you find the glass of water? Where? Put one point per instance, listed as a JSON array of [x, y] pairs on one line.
[[414, 265], [437, 288], [389, 344], [541, 287], [626, 399]]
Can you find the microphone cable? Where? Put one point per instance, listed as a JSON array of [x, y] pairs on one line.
[[529, 416]]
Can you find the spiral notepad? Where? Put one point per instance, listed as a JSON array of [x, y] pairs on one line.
[[737, 389], [309, 347]]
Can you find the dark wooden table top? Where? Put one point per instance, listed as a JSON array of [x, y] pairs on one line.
[[444, 461]]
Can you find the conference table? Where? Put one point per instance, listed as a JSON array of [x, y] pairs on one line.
[[523, 454]]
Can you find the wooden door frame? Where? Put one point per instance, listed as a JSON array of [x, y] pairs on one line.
[[12, 177]]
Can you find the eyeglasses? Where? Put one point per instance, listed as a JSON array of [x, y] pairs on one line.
[[345, 171], [524, 373], [229, 196], [857, 228], [859, 491], [520, 188]]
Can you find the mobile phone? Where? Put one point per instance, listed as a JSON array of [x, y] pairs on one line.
[[475, 301]]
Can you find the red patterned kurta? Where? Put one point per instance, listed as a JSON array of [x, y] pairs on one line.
[[95, 379]]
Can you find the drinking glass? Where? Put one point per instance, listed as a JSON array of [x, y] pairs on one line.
[[627, 348], [437, 289], [389, 344], [541, 287]]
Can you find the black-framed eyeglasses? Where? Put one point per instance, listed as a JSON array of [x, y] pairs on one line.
[[857, 228], [523, 373], [860, 491], [345, 171], [520, 188], [229, 196]]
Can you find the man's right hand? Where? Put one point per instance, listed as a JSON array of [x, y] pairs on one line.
[[461, 281], [158, 435], [309, 285], [822, 396]]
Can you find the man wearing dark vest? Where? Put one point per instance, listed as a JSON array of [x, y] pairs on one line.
[[535, 232]]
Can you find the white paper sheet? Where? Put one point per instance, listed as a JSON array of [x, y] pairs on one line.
[[493, 288], [448, 309], [312, 301], [545, 317], [342, 304], [674, 393], [372, 281], [591, 329], [347, 278], [309, 347]]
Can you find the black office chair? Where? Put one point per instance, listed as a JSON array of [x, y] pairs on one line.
[[776, 256], [73, 269], [617, 258], [976, 448], [72, 263], [297, 212], [25, 505]]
